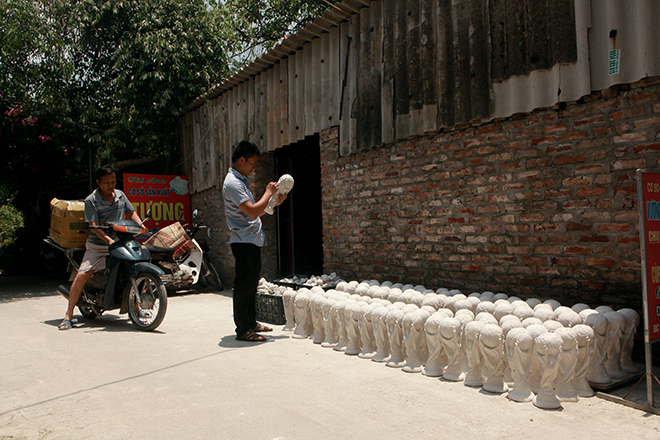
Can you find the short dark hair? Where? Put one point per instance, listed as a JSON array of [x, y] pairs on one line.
[[244, 149], [104, 171]]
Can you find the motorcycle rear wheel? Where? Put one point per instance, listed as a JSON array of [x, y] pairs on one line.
[[213, 278], [148, 313], [87, 312]]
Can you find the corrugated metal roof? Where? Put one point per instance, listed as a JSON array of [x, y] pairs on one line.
[[397, 69]]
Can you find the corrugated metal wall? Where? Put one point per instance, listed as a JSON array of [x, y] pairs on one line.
[[402, 68]]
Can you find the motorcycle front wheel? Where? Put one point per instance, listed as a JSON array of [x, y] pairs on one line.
[[147, 310]]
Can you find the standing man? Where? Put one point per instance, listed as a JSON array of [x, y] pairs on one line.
[[247, 238], [104, 205]]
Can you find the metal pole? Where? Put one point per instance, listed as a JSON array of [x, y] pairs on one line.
[[647, 331]]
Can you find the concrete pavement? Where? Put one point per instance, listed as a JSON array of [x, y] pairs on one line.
[[191, 379]]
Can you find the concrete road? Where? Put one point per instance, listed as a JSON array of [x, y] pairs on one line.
[[192, 380]]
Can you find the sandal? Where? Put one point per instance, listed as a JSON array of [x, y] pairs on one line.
[[260, 328], [65, 325], [251, 337]]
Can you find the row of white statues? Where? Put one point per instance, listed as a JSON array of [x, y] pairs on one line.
[[537, 351]]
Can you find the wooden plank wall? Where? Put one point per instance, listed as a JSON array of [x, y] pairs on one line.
[[403, 67]]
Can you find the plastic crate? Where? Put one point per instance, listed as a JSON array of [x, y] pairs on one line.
[[270, 309]]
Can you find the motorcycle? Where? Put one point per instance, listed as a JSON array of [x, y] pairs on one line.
[[187, 262], [130, 282]]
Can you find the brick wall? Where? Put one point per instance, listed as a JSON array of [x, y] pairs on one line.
[[542, 204], [212, 213]]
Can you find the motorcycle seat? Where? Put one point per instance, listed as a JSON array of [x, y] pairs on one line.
[[159, 250]]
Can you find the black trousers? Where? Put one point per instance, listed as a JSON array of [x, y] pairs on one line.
[[246, 280]]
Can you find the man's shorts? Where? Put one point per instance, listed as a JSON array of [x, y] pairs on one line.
[[94, 258]]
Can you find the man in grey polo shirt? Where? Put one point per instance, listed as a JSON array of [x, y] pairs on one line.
[[247, 237], [105, 204]]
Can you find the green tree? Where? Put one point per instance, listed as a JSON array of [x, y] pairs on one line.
[[258, 25], [10, 222]]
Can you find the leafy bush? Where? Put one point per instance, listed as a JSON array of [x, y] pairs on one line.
[[11, 221]]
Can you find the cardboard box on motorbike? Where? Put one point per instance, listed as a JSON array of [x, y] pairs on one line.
[[68, 227]]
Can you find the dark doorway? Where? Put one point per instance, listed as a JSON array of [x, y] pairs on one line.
[[299, 219]]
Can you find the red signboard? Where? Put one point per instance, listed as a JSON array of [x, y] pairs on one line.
[[168, 197], [649, 209]]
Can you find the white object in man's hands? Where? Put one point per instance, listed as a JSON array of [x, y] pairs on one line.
[[285, 183]]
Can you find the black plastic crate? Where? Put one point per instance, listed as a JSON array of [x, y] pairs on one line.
[[270, 309]]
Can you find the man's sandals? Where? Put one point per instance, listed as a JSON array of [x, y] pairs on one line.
[[253, 336]]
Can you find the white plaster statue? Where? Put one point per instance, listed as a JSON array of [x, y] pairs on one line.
[[486, 318], [597, 372], [523, 311], [552, 325], [351, 316], [417, 299], [543, 313], [485, 306], [395, 336], [285, 183], [330, 335], [450, 303], [315, 307], [432, 300], [628, 340], [451, 337], [437, 359], [339, 309], [577, 308], [552, 303], [473, 376], [379, 328], [519, 351], [301, 312], [567, 363], [502, 309], [548, 350], [616, 324], [415, 340], [534, 377], [604, 309], [586, 312], [585, 348], [289, 307], [558, 311], [569, 318], [367, 331], [491, 347], [508, 322], [463, 304], [531, 321], [464, 315], [394, 295], [533, 302]]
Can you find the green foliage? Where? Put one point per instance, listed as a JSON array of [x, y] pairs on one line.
[[258, 25], [11, 221], [106, 80]]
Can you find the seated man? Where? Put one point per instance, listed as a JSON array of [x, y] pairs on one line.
[[104, 205]]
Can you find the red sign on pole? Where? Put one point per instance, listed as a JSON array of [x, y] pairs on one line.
[[168, 197], [649, 229]]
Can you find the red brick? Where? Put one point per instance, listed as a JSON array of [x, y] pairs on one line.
[[577, 250], [569, 158], [614, 227], [600, 262], [588, 192], [627, 113]]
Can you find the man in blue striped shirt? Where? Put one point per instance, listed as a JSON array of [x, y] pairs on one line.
[[247, 237]]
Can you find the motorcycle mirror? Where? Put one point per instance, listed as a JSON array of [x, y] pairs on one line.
[[180, 216], [195, 212], [147, 217]]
